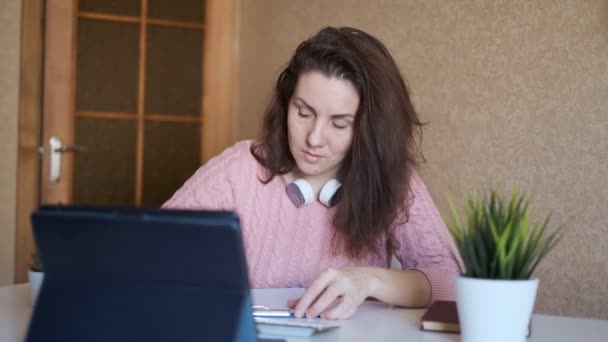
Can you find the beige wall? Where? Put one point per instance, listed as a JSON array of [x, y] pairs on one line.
[[10, 19], [515, 92]]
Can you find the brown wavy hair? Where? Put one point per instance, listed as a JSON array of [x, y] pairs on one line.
[[375, 173]]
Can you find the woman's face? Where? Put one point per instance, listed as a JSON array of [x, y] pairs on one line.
[[320, 121]]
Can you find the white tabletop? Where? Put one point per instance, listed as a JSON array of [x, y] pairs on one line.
[[373, 322]]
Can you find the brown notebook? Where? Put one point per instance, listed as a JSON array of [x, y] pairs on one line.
[[442, 316]]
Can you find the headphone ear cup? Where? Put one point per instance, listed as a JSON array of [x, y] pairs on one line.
[[300, 192], [336, 197], [330, 193]]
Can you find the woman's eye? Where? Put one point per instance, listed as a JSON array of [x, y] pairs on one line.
[[340, 124], [304, 114]]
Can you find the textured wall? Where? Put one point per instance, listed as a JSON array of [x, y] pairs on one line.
[[10, 17], [515, 92]]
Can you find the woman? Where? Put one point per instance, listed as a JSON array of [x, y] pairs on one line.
[[340, 132]]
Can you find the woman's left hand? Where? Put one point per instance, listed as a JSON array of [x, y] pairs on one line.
[[335, 294]]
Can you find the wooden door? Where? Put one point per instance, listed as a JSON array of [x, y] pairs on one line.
[[138, 93]]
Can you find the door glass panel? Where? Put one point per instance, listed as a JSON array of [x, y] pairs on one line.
[[104, 173], [106, 68], [182, 10], [107, 81], [173, 71], [171, 156], [120, 7]]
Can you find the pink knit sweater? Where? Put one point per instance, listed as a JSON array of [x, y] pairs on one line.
[[288, 247]]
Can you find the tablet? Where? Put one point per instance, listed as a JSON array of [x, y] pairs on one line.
[[125, 274]]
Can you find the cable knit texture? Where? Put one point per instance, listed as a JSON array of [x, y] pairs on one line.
[[288, 246]]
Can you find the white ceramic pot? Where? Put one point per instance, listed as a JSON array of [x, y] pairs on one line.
[[494, 310], [35, 280]]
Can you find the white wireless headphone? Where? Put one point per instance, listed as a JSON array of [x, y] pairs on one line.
[[300, 192]]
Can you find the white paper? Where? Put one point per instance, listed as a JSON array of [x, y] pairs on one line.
[[275, 298]]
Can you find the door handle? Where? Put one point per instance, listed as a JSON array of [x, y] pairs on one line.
[[57, 148]]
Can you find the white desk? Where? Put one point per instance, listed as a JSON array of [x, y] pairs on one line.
[[373, 322]]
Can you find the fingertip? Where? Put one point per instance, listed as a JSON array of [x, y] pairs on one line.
[[298, 311]]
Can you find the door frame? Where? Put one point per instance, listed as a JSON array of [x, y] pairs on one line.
[[30, 115], [220, 72]]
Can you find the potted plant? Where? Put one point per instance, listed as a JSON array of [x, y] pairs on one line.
[[500, 249], [35, 276]]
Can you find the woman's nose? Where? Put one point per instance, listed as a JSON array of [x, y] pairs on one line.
[[315, 135]]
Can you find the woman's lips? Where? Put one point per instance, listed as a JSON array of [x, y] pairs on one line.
[[311, 157]]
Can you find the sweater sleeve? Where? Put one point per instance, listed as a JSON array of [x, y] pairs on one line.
[[423, 243], [211, 186]]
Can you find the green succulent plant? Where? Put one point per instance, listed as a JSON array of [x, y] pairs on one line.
[[36, 265], [497, 241]]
